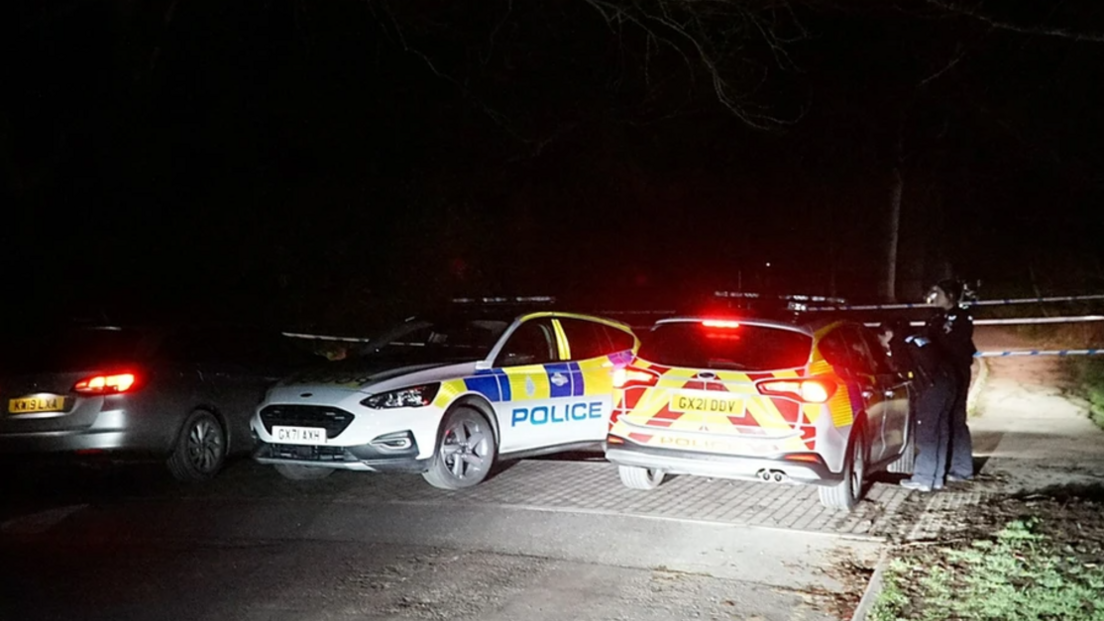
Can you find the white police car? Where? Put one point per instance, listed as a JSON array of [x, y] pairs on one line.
[[447, 396]]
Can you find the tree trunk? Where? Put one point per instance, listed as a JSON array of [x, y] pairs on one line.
[[896, 191]]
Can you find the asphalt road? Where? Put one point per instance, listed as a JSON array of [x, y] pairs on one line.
[[544, 539], [131, 544]]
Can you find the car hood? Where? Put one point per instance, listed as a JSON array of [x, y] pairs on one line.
[[358, 374]]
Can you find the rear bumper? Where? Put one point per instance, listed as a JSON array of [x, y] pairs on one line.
[[364, 458], [74, 441], [722, 466]]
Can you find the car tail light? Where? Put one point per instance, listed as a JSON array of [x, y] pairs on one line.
[[106, 384], [812, 458], [809, 390], [631, 376]]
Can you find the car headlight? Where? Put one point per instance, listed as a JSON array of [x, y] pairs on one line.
[[413, 397]]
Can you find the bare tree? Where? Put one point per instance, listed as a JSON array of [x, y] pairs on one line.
[[716, 35]]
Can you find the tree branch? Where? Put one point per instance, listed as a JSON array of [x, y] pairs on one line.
[[935, 76], [741, 22], [1042, 31]]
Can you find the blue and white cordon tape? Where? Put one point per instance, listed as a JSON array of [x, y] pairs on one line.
[[323, 337], [1039, 352], [995, 302]]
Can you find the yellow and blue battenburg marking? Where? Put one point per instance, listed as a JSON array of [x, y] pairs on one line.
[[560, 379], [539, 381], [492, 384]]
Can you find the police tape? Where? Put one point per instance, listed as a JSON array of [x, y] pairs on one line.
[[1039, 352], [993, 302], [324, 337], [977, 322], [1016, 321]]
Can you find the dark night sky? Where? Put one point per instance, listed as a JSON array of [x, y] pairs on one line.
[[324, 160]]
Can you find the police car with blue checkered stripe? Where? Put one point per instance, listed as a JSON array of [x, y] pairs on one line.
[[446, 396]]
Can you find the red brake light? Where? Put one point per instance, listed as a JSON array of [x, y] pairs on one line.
[[809, 391], [106, 384], [809, 457], [720, 323], [632, 376]]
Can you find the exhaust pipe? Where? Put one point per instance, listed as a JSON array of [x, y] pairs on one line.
[[776, 476]]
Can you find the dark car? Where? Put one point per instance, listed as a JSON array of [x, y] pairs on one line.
[[183, 394]]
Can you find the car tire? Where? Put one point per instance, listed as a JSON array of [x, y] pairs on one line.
[[847, 493], [641, 478], [466, 450], [907, 461], [200, 448], [298, 472]]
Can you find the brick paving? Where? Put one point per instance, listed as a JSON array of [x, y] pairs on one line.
[[593, 486]]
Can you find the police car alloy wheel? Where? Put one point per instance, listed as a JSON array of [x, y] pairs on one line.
[[640, 478], [465, 451], [295, 472]]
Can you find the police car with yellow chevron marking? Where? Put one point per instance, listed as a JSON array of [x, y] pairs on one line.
[[446, 396], [741, 398]]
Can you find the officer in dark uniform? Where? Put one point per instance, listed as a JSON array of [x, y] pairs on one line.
[[936, 386], [952, 328]]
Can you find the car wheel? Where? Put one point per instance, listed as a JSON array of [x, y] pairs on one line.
[[200, 448], [297, 472], [847, 493], [905, 463], [465, 450], [640, 478]]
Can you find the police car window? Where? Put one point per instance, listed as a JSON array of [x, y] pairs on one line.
[[436, 340], [620, 339], [864, 359], [586, 339], [533, 342], [836, 350], [877, 352], [844, 348], [737, 347]]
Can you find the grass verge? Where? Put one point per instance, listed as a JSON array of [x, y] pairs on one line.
[[1044, 561], [1087, 378]]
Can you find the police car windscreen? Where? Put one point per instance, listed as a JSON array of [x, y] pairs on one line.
[[725, 345], [444, 340]]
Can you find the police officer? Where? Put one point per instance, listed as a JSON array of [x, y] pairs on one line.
[[951, 328], [936, 386]]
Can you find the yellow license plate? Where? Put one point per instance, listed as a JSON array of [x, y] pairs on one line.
[[703, 404], [27, 405]]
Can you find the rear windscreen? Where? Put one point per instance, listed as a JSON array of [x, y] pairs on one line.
[[66, 349], [735, 346]]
